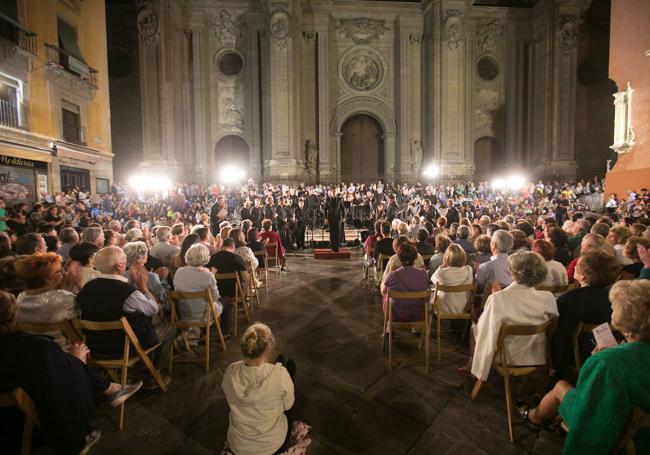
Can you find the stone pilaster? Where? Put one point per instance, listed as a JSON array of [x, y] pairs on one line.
[[322, 41]]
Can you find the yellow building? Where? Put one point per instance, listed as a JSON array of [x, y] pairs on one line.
[[54, 101]]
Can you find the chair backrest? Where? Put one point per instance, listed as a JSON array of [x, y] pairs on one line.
[[205, 294], [461, 288], [121, 324], [422, 296], [274, 247], [234, 276], [18, 398], [580, 329], [64, 326], [638, 419], [553, 289], [427, 259], [382, 261], [547, 328]]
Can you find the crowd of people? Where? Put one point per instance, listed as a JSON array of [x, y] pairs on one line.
[[103, 258]]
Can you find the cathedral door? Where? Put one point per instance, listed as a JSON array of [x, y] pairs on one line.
[[362, 149], [232, 150]]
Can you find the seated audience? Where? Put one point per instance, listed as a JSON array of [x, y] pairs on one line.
[[260, 393], [463, 240], [559, 239], [518, 304], [482, 251], [178, 260], [111, 238], [195, 277], [520, 241], [590, 242], [93, 234], [269, 236], [60, 384], [111, 296], [453, 271], [30, 243], [394, 262], [385, 244], [241, 249], [442, 243], [595, 272], [497, 270], [611, 383], [580, 228], [617, 238], [136, 253], [424, 248], [164, 249], [69, 238], [632, 270], [409, 278], [253, 241], [556, 272], [83, 254]]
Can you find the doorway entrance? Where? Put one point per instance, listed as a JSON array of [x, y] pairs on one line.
[[362, 149], [231, 150], [487, 158]]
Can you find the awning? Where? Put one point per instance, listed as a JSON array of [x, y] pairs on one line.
[[68, 41], [25, 152]]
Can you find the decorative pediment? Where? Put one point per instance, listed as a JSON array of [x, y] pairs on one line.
[[490, 32], [362, 30], [229, 29]]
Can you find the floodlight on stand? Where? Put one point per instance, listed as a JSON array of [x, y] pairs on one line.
[[516, 182], [232, 174], [498, 184], [431, 171]]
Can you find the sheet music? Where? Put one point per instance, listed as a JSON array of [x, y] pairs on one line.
[[604, 336]]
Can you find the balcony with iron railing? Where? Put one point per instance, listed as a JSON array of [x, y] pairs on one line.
[[13, 115], [63, 60], [12, 33]]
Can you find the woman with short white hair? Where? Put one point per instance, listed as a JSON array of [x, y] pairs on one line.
[[196, 277], [138, 252]]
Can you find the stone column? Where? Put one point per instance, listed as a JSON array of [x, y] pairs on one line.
[[556, 31], [149, 25], [322, 41], [200, 105], [285, 162]]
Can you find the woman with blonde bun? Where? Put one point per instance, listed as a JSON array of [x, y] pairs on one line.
[[260, 394]]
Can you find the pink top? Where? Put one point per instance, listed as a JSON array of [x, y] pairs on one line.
[[272, 237]]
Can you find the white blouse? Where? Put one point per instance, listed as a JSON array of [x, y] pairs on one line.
[[247, 255], [455, 302]]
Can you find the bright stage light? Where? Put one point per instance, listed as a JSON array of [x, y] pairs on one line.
[[144, 183], [232, 174], [516, 182], [431, 171], [498, 184]]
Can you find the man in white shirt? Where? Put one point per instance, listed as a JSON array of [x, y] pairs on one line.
[[497, 269]]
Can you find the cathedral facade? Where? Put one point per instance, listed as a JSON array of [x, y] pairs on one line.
[[341, 90]]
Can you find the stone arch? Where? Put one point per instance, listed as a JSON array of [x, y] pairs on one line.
[[232, 146], [381, 112]]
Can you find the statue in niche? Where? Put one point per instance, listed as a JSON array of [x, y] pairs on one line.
[[416, 155], [312, 157]]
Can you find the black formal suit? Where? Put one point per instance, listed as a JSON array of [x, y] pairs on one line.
[[335, 213]]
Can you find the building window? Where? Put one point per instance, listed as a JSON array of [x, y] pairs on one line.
[[69, 53], [11, 111], [71, 130], [9, 16], [102, 186], [72, 177], [230, 63], [487, 68]]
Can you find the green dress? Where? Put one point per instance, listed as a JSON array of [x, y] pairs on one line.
[[610, 385]]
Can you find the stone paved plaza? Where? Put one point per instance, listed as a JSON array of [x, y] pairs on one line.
[[329, 321]]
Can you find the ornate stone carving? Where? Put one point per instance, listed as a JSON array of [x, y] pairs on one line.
[[362, 70], [309, 36], [490, 32], [311, 155], [416, 152], [454, 29], [362, 30], [415, 38], [148, 25], [233, 114], [228, 29], [280, 20], [623, 132], [568, 36]]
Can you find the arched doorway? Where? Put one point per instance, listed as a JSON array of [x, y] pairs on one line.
[[487, 158], [362, 149], [232, 150]]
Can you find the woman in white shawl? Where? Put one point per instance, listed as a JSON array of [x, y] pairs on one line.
[[453, 272]]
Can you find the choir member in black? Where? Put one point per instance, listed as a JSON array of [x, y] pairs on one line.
[[335, 214], [218, 213], [245, 213], [299, 224], [287, 220], [257, 213], [269, 212], [392, 209], [312, 207], [452, 215]]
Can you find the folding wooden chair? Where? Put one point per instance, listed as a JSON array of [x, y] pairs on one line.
[[18, 398], [366, 267], [466, 315], [240, 296], [506, 370], [210, 318], [273, 255], [582, 328], [555, 290], [252, 291], [64, 327], [380, 268], [127, 360], [263, 259], [423, 325]]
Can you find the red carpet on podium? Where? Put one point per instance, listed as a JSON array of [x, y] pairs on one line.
[[325, 253]]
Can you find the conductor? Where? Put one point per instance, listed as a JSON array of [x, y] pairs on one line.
[[335, 212]]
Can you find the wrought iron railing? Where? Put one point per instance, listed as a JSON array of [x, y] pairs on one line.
[[63, 59], [14, 115], [17, 35]]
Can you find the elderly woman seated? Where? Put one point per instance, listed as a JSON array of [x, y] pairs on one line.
[[44, 300], [196, 277], [407, 277], [453, 272], [518, 304], [632, 270], [137, 252], [61, 385], [611, 384], [442, 243], [595, 272], [556, 272]]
